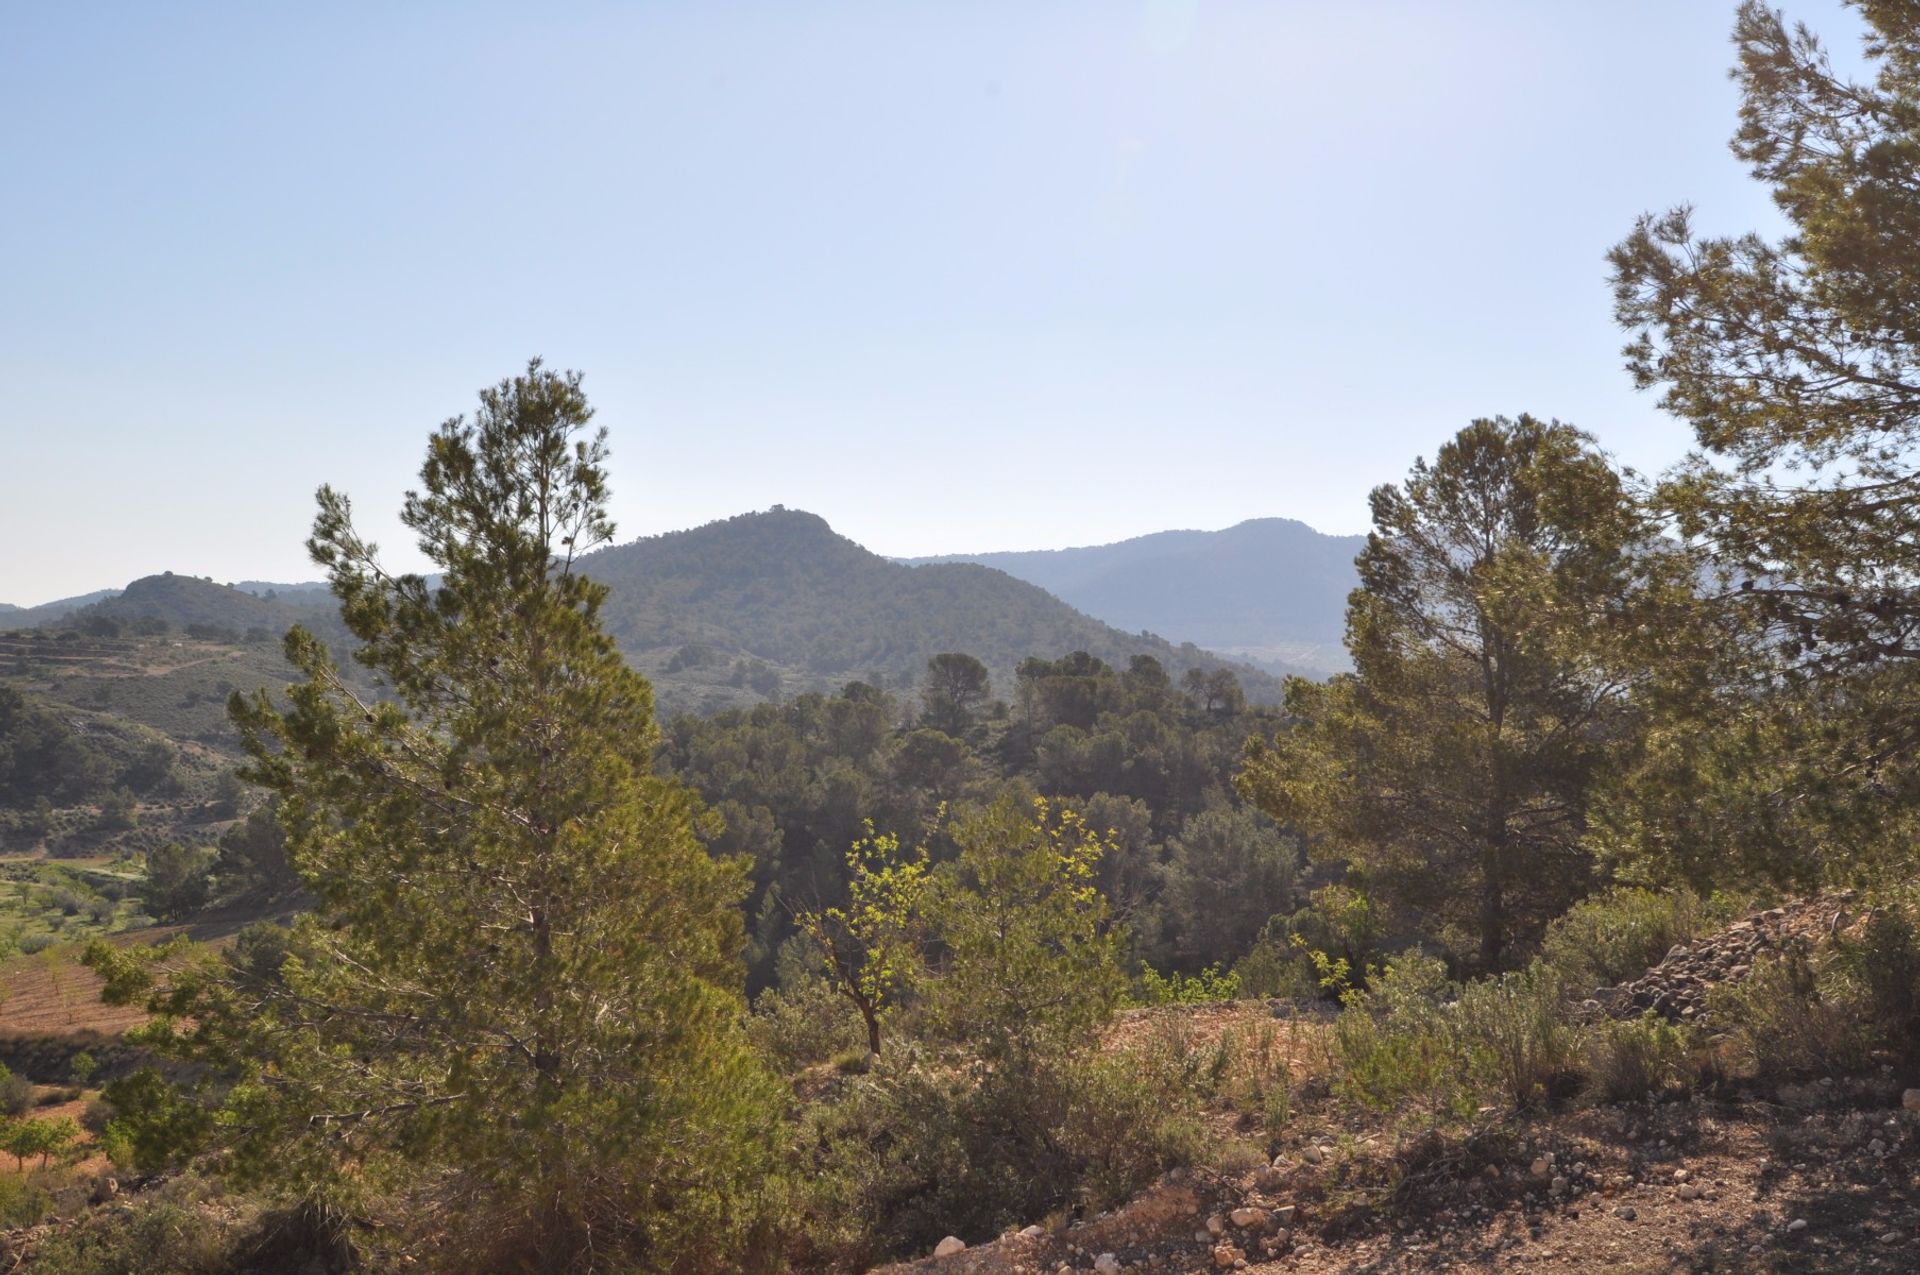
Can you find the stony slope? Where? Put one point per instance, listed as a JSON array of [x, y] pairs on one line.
[[1820, 1177]]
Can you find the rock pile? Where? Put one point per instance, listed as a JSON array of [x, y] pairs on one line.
[[1677, 988]]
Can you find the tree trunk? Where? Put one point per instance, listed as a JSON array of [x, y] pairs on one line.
[[1493, 921]]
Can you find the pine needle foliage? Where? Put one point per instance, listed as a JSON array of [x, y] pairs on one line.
[[521, 984]]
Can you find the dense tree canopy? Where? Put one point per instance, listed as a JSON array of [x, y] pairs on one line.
[[796, 783]]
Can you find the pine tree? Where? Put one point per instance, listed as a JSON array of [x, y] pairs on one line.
[[520, 986], [1452, 768], [1796, 362]]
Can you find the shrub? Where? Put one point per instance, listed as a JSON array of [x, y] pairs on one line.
[[1392, 1041], [1614, 936], [24, 1202], [921, 1147], [1793, 1020], [1881, 965], [34, 944], [806, 1023], [1209, 985], [16, 1093], [1828, 1009], [1510, 1029], [167, 1235], [1341, 922], [1272, 969], [1630, 1059], [1127, 1121], [99, 1113]]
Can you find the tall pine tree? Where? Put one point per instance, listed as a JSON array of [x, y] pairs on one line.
[[1797, 363], [520, 989], [1452, 767]]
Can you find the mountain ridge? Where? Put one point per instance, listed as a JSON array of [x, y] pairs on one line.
[[1268, 589], [782, 586], [768, 602]]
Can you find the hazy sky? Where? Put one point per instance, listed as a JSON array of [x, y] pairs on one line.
[[957, 276]]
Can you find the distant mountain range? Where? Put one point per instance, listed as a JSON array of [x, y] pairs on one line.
[[777, 602], [33, 617], [1270, 590], [784, 588]]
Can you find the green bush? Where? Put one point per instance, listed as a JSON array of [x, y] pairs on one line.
[[1273, 969], [798, 1026], [1393, 1041], [1127, 1121], [1208, 986], [1616, 935], [1793, 1018], [1631, 1059], [1881, 965], [16, 1093], [925, 1146], [25, 1202], [1339, 921], [97, 1115], [1828, 1009], [1510, 1029], [164, 1235]]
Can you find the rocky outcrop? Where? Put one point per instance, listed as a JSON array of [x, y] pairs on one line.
[[1677, 989]]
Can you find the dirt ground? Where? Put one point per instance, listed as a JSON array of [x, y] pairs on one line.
[[1829, 1183]]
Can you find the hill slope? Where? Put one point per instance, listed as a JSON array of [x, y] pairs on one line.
[[1269, 589], [733, 612], [784, 588], [31, 617]]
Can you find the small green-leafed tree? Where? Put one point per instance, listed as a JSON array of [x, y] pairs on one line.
[[1031, 962], [984, 1118], [871, 947], [1453, 766], [518, 1000]]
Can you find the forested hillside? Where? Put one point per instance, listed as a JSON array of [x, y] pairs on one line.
[[781, 597], [1192, 872], [27, 617], [1270, 590], [754, 607]]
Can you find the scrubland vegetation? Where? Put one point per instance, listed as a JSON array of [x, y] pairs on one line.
[[814, 984]]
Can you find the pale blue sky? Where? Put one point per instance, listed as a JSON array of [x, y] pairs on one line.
[[956, 276]]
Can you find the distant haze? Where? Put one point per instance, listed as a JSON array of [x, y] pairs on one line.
[[1270, 590]]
